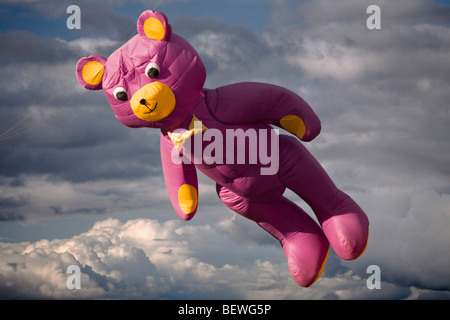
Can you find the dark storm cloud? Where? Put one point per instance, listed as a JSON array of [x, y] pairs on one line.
[[82, 153], [311, 14], [226, 50], [97, 17], [52, 130], [21, 46]]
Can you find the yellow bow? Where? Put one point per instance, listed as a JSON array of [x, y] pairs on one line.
[[195, 127]]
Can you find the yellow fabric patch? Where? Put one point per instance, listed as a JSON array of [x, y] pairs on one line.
[[159, 102], [294, 125], [154, 29], [365, 247], [178, 139], [92, 72], [187, 198], [322, 267]]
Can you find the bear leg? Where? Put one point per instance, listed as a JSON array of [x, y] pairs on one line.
[[344, 223], [304, 244]]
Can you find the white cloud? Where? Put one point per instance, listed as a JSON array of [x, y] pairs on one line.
[[139, 258], [144, 258], [38, 274], [93, 45], [42, 197], [318, 58]]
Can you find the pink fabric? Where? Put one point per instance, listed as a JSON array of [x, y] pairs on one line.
[[241, 187]]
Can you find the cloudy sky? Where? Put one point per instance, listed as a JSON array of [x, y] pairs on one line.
[[78, 187]]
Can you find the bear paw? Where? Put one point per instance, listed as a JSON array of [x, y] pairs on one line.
[[307, 257]]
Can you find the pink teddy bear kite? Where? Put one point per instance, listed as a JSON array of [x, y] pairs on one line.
[[156, 80]]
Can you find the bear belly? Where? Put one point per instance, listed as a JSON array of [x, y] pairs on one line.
[[236, 155], [246, 181]]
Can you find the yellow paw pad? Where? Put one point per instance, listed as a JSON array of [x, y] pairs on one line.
[[294, 125], [187, 198]]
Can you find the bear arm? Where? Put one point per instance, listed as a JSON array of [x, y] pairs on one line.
[[251, 102], [181, 181]]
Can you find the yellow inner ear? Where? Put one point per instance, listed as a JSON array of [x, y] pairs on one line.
[[154, 29], [93, 72]]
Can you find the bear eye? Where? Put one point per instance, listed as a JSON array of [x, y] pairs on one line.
[[152, 70], [120, 94]]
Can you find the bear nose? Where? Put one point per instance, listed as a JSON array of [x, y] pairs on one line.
[[143, 102]]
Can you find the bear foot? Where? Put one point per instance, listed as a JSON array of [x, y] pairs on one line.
[[348, 234], [307, 256]]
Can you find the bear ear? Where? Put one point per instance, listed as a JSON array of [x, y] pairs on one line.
[[90, 72], [153, 25]]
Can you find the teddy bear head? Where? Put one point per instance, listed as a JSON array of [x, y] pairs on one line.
[[153, 80]]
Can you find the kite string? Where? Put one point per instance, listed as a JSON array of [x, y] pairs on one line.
[[21, 127], [159, 3]]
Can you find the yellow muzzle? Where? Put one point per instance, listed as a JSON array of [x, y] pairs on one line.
[[153, 102]]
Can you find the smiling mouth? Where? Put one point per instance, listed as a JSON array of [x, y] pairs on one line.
[[149, 110]]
